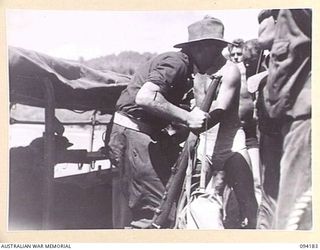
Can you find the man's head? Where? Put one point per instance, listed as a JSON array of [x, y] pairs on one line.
[[267, 22], [235, 50], [251, 54], [205, 42], [204, 54]]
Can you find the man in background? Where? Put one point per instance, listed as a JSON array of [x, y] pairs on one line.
[[248, 51], [270, 142], [235, 50]]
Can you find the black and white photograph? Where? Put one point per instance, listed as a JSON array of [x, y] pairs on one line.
[[162, 119]]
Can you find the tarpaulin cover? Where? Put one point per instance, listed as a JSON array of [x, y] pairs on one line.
[[76, 86]]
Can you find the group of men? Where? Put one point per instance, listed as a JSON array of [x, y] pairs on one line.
[[269, 171]]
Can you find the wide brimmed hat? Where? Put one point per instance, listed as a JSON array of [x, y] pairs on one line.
[[209, 28]]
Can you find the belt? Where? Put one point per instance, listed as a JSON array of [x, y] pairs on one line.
[[133, 124], [297, 118]]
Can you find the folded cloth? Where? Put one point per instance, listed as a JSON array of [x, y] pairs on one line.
[[254, 81]]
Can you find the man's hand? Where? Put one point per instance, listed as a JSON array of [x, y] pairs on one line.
[[196, 118]]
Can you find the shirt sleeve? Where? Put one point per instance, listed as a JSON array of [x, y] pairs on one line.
[[168, 71]]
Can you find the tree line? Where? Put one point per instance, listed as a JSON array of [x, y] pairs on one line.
[[125, 62]]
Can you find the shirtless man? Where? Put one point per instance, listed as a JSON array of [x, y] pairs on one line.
[[224, 144], [246, 55], [251, 54]]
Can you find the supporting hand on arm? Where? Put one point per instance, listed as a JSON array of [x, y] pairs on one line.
[[150, 99]]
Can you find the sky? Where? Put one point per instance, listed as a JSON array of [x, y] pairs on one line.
[[91, 34]]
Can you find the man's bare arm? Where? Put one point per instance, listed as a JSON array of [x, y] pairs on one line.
[[150, 99], [227, 95], [230, 87]]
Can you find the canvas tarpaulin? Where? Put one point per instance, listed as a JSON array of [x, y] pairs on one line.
[[76, 86]]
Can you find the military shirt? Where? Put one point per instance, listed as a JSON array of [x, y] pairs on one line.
[[171, 71]]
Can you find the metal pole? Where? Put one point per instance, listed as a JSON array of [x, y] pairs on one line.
[[49, 154], [93, 124]]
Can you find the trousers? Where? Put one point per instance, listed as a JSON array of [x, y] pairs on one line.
[[270, 149], [294, 199], [143, 165]]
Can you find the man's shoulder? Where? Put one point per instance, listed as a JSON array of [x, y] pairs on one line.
[[223, 67], [174, 62], [230, 66], [230, 69], [175, 55]]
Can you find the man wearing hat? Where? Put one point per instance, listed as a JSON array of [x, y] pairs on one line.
[[151, 102], [287, 97]]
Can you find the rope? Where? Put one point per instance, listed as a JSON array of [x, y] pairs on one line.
[[299, 209]]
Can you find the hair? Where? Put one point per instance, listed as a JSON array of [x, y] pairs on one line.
[[251, 49], [238, 43]]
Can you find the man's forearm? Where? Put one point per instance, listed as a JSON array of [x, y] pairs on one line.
[[150, 99], [214, 118], [160, 107]]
